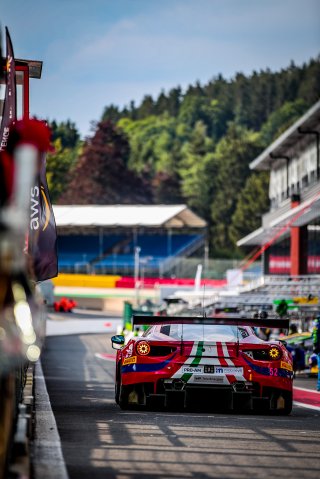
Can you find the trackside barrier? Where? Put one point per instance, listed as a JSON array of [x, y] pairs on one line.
[[129, 282], [86, 281], [113, 281]]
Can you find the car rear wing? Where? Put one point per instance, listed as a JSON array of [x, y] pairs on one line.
[[139, 320]]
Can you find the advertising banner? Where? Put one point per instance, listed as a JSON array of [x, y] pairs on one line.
[[9, 102], [42, 241]]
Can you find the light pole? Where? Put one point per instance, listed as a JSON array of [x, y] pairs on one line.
[[136, 272]]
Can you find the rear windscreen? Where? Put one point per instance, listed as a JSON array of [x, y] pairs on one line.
[[205, 332]]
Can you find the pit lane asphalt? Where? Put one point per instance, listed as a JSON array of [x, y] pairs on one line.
[[101, 441]]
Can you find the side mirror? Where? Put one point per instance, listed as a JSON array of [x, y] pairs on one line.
[[117, 341]]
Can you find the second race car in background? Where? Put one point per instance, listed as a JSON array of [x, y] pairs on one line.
[[304, 359]]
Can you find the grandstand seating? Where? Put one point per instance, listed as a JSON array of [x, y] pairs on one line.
[[161, 246], [115, 253], [80, 250]]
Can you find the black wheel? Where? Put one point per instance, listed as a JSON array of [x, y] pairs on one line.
[[123, 397], [117, 392], [121, 393], [117, 384]]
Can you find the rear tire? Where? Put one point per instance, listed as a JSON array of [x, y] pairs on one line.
[[121, 394], [117, 386]]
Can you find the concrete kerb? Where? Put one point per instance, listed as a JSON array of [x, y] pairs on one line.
[[47, 457]]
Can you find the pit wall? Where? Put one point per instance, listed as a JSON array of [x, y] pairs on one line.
[[86, 281]]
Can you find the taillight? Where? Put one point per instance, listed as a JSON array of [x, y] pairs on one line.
[[143, 348], [275, 353]]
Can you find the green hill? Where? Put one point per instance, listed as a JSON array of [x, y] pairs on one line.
[[194, 147]]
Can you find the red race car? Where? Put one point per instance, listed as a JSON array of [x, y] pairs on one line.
[[215, 362]]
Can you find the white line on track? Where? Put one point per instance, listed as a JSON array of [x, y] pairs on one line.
[[308, 406], [238, 418], [106, 357]]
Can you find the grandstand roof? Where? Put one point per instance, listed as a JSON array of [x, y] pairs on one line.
[[165, 216]]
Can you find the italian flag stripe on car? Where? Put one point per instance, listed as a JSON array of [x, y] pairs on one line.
[[185, 377]]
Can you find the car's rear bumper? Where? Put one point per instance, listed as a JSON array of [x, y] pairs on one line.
[[224, 397], [207, 381]]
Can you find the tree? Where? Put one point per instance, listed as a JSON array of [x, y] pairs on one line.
[[59, 166], [243, 100], [111, 113], [196, 181], [166, 188], [281, 119], [67, 132], [309, 86], [67, 147], [146, 108], [151, 144], [161, 104], [193, 146], [101, 175], [233, 155], [174, 101], [252, 203]]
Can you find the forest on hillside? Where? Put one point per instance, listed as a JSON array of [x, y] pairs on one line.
[[191, 147]]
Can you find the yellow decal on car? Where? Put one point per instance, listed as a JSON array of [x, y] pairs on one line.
[[131, 360], [274, 353], [285, 365]]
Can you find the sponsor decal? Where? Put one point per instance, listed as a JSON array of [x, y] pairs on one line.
[[143, 348], [34, 208], [285, 365], [195, 363], [192, 369], [228, 370], [131, 360], [208, 379], [42, 241], [274, 353], [129, 351], [4, 139], [9, 105], [47, 208], [208, 369], [281, 372]]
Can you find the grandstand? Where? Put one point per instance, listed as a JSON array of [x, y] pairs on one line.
[[106, 239]]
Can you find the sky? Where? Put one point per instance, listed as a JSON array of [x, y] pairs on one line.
[[101, 52]]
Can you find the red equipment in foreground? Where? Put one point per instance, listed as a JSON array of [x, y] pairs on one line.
[[213, 362], [65, 305]]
